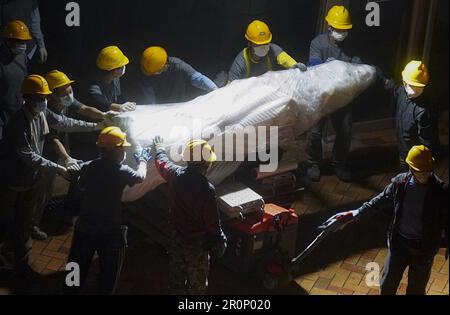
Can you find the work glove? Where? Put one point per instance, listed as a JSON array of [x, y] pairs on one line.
[[301, 66], [158, 142], [109, 116], [144, 155], [43, 55], [72, 165], [128, 107], [340, 221]]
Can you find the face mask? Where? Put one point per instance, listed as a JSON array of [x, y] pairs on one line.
[[261, 51], [67, 100], [19, 49], [412, 91], [40, 106], [339, 36]]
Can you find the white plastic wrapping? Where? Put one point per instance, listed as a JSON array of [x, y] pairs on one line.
[[291, 100]]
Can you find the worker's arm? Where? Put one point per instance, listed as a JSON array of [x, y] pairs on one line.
[[59, 148], [65, 124], [166, 168], [25, 152], [315, 53], [425, 130], [237, 70], [101, 101], [88, 111], [133, 178], [36, 32], [210, 214], [384, 200], [202, 82]]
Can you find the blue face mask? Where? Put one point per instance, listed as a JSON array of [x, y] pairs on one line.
[[40, 106], [18, 49]]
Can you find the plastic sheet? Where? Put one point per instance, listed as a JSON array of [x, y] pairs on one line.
[[291, 100]]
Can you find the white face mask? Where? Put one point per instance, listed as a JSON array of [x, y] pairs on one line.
[[67, 100], [339, 36], [19, 49], [261, 51], [40, 106], [412, 91]]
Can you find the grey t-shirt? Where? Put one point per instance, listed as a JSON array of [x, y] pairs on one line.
[[102, 183], [238, 69], [169, 86], [322, 49]]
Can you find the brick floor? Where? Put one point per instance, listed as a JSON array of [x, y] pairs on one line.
[[344, 275]]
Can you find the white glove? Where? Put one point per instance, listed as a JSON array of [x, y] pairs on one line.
[[128, 107], [72, 165], [43, 55]]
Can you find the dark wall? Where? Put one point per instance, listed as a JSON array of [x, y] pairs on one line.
[[209, 33]]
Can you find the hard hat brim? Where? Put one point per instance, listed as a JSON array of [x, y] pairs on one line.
[[63, 84], [413, 83], [265, 42]]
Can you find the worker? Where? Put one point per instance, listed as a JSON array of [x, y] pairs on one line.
[[326, 47], [21, 159], [13, 69], [100, 227], [167, 78], [56, 148], [261, 55], [106, 93], [26, 11], [194, 216], [413, 118], [418, 201]]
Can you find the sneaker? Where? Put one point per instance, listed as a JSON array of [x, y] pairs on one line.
[[343, 173], [38, 235], [313, 173]]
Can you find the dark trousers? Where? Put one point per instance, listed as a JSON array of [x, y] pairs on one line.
[[16, 217], [43, 194], [404, 253], [111, 252], [342, 124]]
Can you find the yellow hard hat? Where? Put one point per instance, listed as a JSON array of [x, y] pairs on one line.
[[57, 79], [35, 84], [153, 60], [339, 18], [194, 148], [416, 74], [111, 58], [112, 137], [17, 30], [258, 33], [420, 159]]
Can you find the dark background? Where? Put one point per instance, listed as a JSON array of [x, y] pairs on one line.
[[208, 34]]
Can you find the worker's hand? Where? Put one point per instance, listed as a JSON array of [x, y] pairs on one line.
[[43, 55], [357, 60], [158, 142], [144, 155], [330, 59], [128, 107], [108, 117], [340, 221], [301, 66], [72, 165]]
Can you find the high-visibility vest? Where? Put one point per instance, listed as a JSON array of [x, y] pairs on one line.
[[248, 62]]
